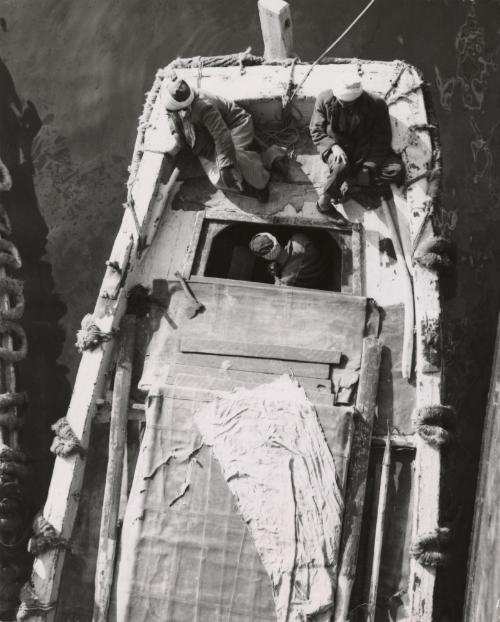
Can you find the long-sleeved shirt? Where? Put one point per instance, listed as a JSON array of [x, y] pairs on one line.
[[213, 118], [363, 129], [304, 266]]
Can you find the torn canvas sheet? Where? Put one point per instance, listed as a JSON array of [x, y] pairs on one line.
[[277, 463]]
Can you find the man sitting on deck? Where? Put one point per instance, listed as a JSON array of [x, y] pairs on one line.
[[220, 133], [352, 131], [298, 263]]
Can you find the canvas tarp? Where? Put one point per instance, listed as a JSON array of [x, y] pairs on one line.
[[259, 547]]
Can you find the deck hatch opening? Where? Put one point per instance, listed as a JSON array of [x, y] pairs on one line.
[[227, 253]]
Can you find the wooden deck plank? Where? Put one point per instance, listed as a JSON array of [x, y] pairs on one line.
[[259, 350], [323, 385], [267, 366]]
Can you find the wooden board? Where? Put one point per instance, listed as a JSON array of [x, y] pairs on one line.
[[259, 350], [266, 366], [208, 388], [323, 385], [299, 318]]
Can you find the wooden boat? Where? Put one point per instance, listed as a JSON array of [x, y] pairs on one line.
[[169, 542], [483, 592]]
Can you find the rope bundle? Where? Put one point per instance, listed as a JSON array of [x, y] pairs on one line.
[[435, 255], [66, 442], [90, 336], [15, 289], [5, 226], [435, 424], [31, 604], [12, 464], [13, 356], [9, 255], [45, 537], [431, 548]]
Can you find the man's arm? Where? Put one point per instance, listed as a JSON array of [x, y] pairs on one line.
[[318, 128]]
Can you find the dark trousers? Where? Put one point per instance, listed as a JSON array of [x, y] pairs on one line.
[[383, 171]]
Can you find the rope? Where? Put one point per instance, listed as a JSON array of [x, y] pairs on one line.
[[13, 356], [329, 48], [31, 604], [434, 424], [8, 400], [45, 537], [65, 443], [431, 548], [11, 421], [9, 255], [12, 514], [15, 289], [5, 226], [12, 464], [90, 336], [434, 255], [5, 178]]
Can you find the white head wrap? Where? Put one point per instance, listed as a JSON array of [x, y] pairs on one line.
[[347, 87]]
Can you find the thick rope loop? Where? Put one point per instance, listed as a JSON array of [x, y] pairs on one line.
[[11, 421], [434, 255], [435, 424], [9, 255], [65, 443], [45, 537], [31, 605], [5, 178], [431, 548], [10, 400], [90, 336], [13, 356], [5, 226], [14, 288]]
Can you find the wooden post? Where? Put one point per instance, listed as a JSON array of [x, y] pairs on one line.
[[276, 26], [379, 529], [404, 267], [112, 491], [358, 468]]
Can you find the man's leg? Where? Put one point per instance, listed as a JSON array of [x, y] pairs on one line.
[[331, 193]]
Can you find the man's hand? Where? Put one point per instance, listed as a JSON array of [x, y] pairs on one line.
[[227, 178], [337, 156]]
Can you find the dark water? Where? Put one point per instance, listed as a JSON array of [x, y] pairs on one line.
[[87, 65]]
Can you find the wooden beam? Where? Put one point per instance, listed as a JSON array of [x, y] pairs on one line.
[[242, 363], [258, 350], [366, 401], [117, 442], [276, 25]]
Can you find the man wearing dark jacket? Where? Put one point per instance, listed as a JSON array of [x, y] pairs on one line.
[[220, 133], [352, 131]]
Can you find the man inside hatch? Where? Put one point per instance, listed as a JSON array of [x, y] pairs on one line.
[[220, 133], [351, 129], [298, 263]]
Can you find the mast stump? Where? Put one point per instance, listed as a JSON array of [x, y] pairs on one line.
[[276, 25]]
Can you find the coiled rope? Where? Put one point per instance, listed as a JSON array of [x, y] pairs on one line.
[[435, 424], [431, 548], [90, 336], [65, 442], [45, 537]]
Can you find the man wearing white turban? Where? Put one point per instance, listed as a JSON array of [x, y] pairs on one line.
[[351, 129], [220, 133]]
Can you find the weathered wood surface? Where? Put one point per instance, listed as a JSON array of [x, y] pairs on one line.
[[242, 363], [117, 444], [276, 25], [210, 386], [311, 384], [366, 401], [483, 584], [260, 350], [253, 313]]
